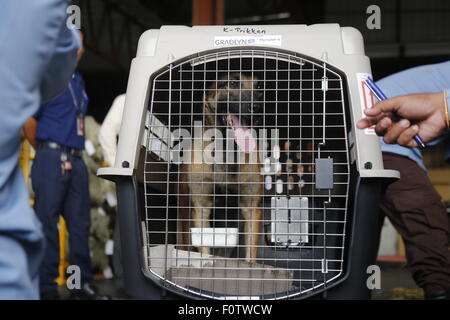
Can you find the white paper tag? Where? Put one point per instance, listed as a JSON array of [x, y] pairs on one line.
[[366, 98], [89, 147], [109, 247], [234, 41], [111, 199], [107, 273], [101, 212]]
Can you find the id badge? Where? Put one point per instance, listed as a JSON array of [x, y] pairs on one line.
[[80, 125]]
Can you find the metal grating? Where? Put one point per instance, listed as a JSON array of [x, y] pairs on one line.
[[246, 175]]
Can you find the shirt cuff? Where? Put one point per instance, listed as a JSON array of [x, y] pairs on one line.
[[447, 99], [447, 92]]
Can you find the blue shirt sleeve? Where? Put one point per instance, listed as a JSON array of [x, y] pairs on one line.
[[427, 78], [61, 64]]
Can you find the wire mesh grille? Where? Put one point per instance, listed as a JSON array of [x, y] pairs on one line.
[[246, 175]]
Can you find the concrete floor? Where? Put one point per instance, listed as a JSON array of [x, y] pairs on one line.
[[396, 284]]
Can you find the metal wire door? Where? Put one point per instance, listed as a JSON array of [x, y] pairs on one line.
[[246, 175]]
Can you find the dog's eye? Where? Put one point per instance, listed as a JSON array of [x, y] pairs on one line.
[[233, 83], [259, 86]]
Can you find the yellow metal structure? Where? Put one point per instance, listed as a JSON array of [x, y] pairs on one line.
[[63, 263], [24, 160]]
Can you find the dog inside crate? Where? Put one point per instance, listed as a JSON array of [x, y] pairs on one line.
[[265, 214]]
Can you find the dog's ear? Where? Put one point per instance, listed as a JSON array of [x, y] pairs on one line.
[[209, 101], [208, 108], [208, 112], [210, 96]]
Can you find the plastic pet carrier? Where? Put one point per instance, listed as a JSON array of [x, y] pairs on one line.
[[240, 173]]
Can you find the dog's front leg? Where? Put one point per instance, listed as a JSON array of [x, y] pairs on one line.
[[250, 191], [200, 218], [252, 229]]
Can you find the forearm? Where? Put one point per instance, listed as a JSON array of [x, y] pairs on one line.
[[29, 131]]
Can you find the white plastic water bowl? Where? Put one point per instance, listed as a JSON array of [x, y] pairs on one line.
[[214, 237]]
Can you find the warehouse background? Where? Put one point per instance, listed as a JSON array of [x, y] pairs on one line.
[[413, 32]]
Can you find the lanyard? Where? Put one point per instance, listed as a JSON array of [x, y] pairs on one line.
[[80, 115], [75, 102]]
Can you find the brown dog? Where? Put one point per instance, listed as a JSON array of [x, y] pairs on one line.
[[232, 103]]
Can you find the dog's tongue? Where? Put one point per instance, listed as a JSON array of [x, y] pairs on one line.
[[243, 136]]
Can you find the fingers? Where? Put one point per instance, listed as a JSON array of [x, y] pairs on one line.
[[374, 111], [379, 111], [388, 105], [394, 132], [364, 123], [370, 120], [402, 133], [383, 126], [406, 138]]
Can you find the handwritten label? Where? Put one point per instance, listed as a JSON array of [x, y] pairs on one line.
[[245, 30]]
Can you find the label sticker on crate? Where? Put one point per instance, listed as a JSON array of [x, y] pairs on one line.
[[366, 97], [233, 41]]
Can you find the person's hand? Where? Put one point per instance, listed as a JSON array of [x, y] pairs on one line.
[[422, 114]]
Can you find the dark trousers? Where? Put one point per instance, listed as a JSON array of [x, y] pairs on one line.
[[67, 194], [416, 211]]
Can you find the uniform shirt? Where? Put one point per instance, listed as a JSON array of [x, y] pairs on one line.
[[428, 78], [58, 120], [110, 129]]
